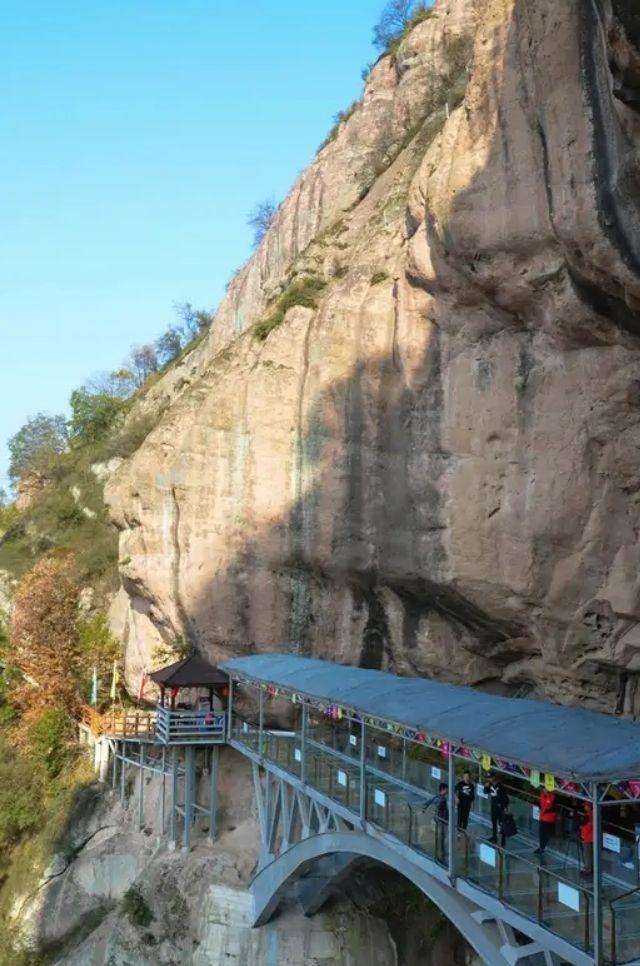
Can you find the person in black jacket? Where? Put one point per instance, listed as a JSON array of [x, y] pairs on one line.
[[441, 802], [499, 805], [466, 794]]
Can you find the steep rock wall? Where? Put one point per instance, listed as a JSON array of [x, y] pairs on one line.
[[436, 470]]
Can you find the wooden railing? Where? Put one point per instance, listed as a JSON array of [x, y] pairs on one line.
[[120, 724]]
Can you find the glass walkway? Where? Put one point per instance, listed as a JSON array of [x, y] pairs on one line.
[[331, 731]]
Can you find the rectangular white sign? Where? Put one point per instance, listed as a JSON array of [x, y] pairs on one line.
[[611, 842], [488, 855], [342, 778], [297, 754], [382, 751], [379, 797], [245, 726], [568, 896], [353, 740], [436, 773], [481, 792], [535, 811]]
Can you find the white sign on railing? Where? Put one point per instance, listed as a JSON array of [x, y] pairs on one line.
[[436, 773], [379, 797], [297, 754], [342, 778], [353, 740], [535, 812], [611, 842], [569, 897], [488, 855], [481, 792], [382, 751]]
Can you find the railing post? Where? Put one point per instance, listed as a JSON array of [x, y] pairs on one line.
[[261, 723], [598, 923], [162, 803], [123, 766], [114, 773], [363, 775], [303, 746], [452, 815]]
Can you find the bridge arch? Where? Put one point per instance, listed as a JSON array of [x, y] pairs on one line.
[[274, 879]]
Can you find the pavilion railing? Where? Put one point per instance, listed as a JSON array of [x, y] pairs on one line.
[[189, 727], [120, 724]]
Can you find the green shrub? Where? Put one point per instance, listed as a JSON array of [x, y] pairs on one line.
[[339, 119], [418, 17], [303, 292], [136, 908], [49, 740], [378, 277], [93, 415]]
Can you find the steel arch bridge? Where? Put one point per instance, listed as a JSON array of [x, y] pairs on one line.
[[311, 843]]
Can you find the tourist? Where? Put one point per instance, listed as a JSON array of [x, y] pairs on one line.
[[441, 801], [547, 820], [466, 795], [499, 805]]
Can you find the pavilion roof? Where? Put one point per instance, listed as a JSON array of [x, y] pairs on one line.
[[585, 745], [192, 672]]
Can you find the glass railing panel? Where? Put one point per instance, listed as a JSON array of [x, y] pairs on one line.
[[622, 929], [567, 909], [483, 865]]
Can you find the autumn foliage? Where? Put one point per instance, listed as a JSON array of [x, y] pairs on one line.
[[44, 635]]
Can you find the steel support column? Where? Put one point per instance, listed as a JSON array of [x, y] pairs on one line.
[[598, 918], [114, 772], [213, 795], [363, 773], [189, 777], [163, 792], [261, 723], [451, 791], [230, 711], [174, 797], [141, 802], [123, 766], [303, 746]]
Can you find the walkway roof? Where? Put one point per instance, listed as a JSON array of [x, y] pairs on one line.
[[564, 741], [192, 672]]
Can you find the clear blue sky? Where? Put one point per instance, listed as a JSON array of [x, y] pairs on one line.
[[135, 137]]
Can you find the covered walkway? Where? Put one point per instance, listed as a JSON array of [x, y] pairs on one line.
[[379, 746]]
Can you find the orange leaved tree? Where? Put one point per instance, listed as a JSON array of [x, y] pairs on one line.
[[44, 636]]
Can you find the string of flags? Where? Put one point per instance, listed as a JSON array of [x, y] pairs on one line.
[[536, 778]]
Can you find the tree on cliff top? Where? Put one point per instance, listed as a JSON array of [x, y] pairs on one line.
[[261, 219], [396, 16], [35, 447]]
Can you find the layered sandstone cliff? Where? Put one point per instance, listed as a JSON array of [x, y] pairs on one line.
[[436, 469]]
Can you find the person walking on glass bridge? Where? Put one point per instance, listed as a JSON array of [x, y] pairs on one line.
[[499, 805], [547, 820], [466, 795], [441, 802]]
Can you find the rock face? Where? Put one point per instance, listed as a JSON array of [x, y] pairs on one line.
[[432, 466]]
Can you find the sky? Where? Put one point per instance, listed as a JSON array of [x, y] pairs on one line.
[[135, 138]]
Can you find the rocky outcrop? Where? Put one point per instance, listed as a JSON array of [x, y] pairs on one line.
[[432, 466]]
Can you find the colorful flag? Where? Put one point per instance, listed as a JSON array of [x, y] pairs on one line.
[[549, 782], [114, 681], [94, 688]]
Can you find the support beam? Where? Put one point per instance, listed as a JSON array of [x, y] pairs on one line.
[[230, 711], [213, 793], [328, 875], [114, 773], [189, 781], [303, 746], [598, 919]]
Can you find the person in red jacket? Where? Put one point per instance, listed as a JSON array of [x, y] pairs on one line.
[[586, 839], [547, 820]]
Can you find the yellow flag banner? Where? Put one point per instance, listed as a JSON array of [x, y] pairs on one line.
[[486, 762], [550, 783], [114, 681]]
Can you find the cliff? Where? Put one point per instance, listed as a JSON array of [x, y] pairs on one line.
[[411, 438]]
